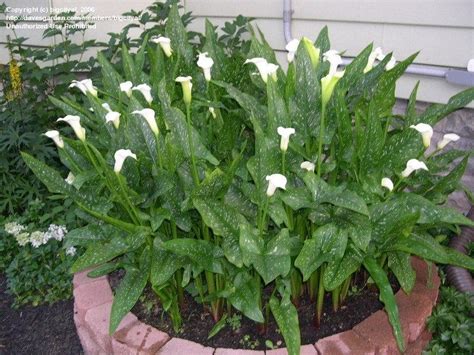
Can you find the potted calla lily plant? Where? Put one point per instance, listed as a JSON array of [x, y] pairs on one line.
[[258, 192]]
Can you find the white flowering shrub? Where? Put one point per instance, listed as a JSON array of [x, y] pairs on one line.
[[295, 181], [35, 259]]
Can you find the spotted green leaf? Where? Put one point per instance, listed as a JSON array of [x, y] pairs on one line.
[[271, 259], [129, 290], [286, 317], [224, 221], [203, 253], [328, 243], [379, 275]]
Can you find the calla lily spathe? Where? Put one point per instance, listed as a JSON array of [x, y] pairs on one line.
[[113, 117], [165, 44], [205, 63], [285, 134], [213, 112], [70, 178], [391, 63], [313, 52], [264, 68], [330, 80], [307, 165], [187, 87], [447, 138], [106, 106], [292, 47], [120, 156], [146, 92], [149, 115], [85, 86], [126, 87], [275, 181], [75, 123], [413, 165], [55, 136], [376, 54], [387, 183], [426, 132]]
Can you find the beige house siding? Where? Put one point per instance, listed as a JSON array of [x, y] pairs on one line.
[[442, 29]]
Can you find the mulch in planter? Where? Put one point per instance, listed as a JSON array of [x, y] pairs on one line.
[[47, 329], [197, 321]]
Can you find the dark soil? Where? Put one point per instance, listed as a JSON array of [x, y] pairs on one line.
[[198, 322], [37, 330]]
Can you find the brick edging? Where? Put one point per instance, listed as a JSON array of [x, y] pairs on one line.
[[93, 300]]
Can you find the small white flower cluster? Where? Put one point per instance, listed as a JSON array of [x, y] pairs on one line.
[[18, 231], [71, 251], [14, 228], [56, 232], [36, 238]]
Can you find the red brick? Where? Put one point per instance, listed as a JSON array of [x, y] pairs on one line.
[[419, 345], [81, 278], [305, 350], [345, 343], [430, 293], [91, 295], [177, 346], [422, 285], [414, 309], [143, 338], [89, 345], [122, 349], [97, 321], [377, 330], [221, 351]]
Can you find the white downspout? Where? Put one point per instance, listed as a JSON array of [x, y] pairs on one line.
[[451, 75], [287, 16]]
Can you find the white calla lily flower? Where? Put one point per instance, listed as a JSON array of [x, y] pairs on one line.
[[149, 115], [120, 156], [187, 86], [275, 181], [387, 183], [292, 47], [447, 138], [426, 132], [113, 117], [85, 86], [285, 134], [106, 106], [312, 51], [165, 44], [376, 54], [391, 63], [56, 137], [307, 165], [75, 123], [272, 70], [70, 178], [146, 92], [213, 112], [264, 68], [126, 87], [330, 80], [413, 165], [205, 63]]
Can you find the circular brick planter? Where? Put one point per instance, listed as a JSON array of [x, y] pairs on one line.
[[93, 301]]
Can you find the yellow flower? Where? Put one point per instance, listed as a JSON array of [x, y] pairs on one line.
[[15, 80]]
